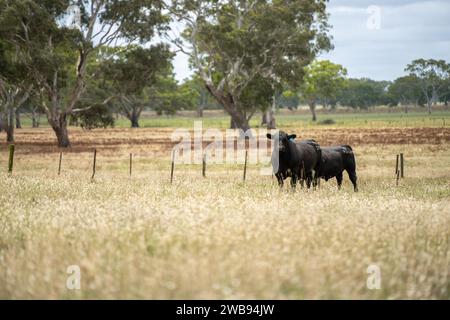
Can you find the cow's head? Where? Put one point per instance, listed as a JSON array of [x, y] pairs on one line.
[[283, 139]]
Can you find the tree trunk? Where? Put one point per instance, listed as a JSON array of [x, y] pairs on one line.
[[406, 108], [312, 107], [134, 118], [201, 105], [200, 111], [59, 126], [34, 119], [2, 121], [233, 124], [239, 121], [63, 137], [264, 118], [429, 104], [268, 119], [10, 126], [18, 123]]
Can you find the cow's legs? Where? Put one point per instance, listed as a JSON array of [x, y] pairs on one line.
[[316, 180], [339, 178], [308, 179], [280, 179], [293, 181], [353, 178], [302, 177]]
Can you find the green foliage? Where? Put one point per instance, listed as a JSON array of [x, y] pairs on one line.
[[132, 73], [323, 81], [56, 55], [363, 93], [289, 99], [432, 77], [257, 94], [134, 68], [31, 27], [203, 99], [96, 116], [168, 96], [326, 122], [406, 90], [139, 19]]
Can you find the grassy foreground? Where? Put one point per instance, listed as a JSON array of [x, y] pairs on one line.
[[218, 237]]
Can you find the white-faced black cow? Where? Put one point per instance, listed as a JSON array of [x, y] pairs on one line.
[[334, 161], [290, 158]]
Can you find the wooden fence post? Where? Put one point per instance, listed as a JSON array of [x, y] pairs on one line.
[[397, 177], [396, 164], [60, 160], [11, 158], [204, 166], [94, 164], [402, 166], [173, 165], [131, 163], [245, 164]]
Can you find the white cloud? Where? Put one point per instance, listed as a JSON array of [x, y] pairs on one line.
[[408, 30]]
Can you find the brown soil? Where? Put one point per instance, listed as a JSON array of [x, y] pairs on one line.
[[158, 140]]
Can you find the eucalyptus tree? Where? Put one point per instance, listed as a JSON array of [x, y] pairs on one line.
[[433, 76], [322, 83], [131, 72], [406, 90], [15, 89], [234, 44], [167, 96], [55, 40], [202, 97]]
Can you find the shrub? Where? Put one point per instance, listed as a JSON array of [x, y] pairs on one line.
[[327, 121], [97, 116]]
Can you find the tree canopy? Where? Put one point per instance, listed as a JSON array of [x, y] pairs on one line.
[[433, 76], [56, 54], [131, 71], [322, 83], [237, 44]]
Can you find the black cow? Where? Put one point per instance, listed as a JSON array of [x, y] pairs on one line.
[[295, 159], [334, 161]]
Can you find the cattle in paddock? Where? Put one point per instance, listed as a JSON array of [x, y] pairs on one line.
[[294, 159], [334, 161]]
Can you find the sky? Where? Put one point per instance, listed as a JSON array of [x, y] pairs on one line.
[[378, 38]]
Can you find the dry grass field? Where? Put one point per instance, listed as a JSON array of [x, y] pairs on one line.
[[218, 237]]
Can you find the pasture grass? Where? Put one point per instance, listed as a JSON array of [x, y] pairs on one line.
[[218, 237], [295, 119]]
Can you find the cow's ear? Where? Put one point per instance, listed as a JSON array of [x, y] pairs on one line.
[[292, 136], [269, 136]]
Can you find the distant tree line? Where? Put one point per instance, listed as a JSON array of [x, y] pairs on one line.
[[427, 82]]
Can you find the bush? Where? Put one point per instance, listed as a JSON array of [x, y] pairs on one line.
[[97, 116], [327, 121]]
